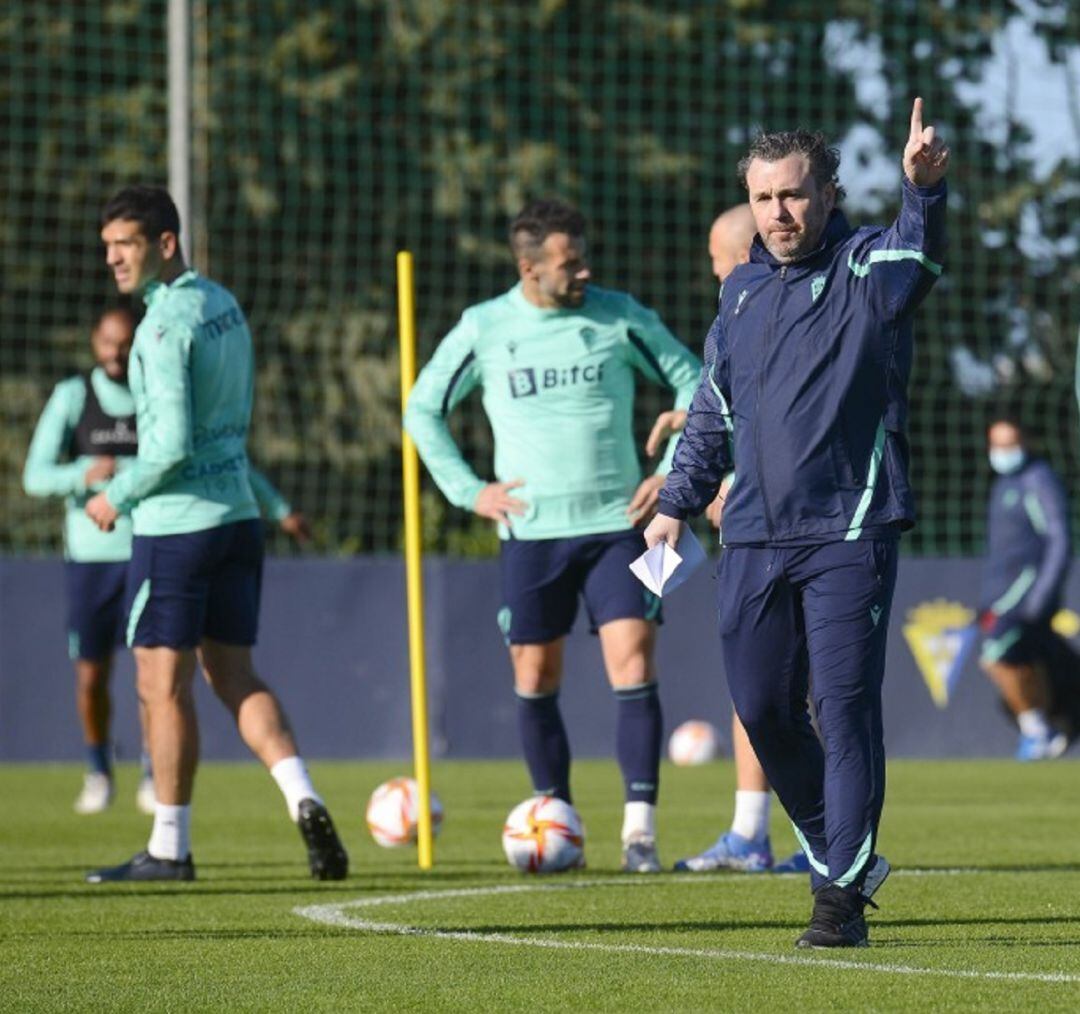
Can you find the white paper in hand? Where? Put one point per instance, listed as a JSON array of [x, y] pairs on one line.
[[692, 555], [662, 568], [655, 566]]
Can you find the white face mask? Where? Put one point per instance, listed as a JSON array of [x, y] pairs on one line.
[[1005, 460]]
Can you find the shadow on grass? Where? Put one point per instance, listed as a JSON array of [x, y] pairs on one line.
[[994, 868], [267, 933], [717, 925], [287, 882]]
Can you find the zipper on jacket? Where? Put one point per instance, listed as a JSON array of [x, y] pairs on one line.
[[761, 387]]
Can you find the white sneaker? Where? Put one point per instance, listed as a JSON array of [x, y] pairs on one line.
[[97, 793], [145, 800], [639, 855]]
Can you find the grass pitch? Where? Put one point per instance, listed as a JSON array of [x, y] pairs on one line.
[[983, 911]]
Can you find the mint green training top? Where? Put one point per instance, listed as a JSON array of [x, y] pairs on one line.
[[558, 388], [48, 472], [192, 375]]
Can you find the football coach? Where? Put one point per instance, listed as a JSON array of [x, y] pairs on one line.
[[805, 398]]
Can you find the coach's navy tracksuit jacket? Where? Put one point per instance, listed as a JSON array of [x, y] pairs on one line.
[[808, 378], [804, 396]]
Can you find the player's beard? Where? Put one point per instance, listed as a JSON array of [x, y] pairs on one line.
[[573, 297]]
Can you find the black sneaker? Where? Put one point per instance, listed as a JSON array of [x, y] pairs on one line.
[[143, 866], [326, 856], [837, 920]]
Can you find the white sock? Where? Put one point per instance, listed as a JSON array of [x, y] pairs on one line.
[[638, 819], [1033, 723], [171, 836], [292, 778], [751, 818]]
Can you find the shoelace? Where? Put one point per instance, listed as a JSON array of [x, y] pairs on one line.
[[834, 907]]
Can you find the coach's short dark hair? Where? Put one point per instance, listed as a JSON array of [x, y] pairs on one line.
[[151, 207], [824, 159], [540, 219]]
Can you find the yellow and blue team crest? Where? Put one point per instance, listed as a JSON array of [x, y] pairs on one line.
[[941, 635]]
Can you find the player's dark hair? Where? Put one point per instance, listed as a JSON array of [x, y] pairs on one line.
[[121, 309], [771, 147], [151, 207], [540, 219]]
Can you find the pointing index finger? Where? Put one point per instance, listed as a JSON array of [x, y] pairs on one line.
[[916, 120]]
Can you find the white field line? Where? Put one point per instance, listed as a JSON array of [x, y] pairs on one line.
[[337, 915]]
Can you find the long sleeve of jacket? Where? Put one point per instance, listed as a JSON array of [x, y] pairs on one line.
[[703, 455], [665, 360], [45, 473], [164, 418], [1047, 508], [450, 375], [902, 262], [272, 504]]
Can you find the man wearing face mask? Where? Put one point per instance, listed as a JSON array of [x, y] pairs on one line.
[[1027, 559]]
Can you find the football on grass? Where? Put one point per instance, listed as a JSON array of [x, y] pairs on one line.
[[694, 743], [544, 835], [392, 812]]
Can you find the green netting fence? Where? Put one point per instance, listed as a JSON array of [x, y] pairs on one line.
[[326, 135]]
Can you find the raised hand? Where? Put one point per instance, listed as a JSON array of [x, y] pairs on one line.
[[494, 501], [925, 157]]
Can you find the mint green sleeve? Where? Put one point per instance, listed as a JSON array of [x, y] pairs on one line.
[[272, 504], [44, 473], [665, 360], [450, 375], [163, 417]]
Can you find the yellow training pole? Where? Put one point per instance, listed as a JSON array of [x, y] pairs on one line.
[[414, 579]]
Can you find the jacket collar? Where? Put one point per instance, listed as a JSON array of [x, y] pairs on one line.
[[155, 290], [836, 231]]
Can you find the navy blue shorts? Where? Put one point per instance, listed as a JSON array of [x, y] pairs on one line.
[[95, 608], [542, 579], [1016, 642], [183, 588]]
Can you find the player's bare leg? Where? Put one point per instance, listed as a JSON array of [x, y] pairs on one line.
[[627, 646], [259, 718], [93, 705], [164, 679], [745, 846], [145, 799], [1021, 686], [264, 728], [749, 775], [1025, 690], [537, 667]]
